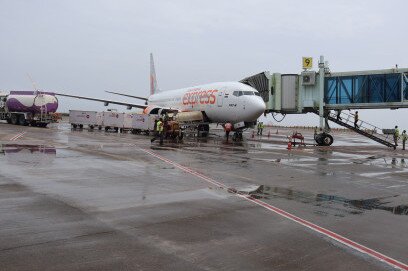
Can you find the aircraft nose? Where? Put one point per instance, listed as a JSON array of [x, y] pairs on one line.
[[256, 109]]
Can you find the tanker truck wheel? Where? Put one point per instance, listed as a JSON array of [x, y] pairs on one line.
[[14, 119], [22, 120]]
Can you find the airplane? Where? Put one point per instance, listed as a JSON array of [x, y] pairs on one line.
[[223, 102]]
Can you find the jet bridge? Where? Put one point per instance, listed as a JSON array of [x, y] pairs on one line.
[[322, 91]]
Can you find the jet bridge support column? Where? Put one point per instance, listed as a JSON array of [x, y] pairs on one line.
[[321, 93]]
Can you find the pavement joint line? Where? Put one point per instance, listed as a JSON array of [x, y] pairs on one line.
[[332, 235], [17, 136]]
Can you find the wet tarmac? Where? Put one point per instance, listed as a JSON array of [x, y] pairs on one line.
[[91, 200]]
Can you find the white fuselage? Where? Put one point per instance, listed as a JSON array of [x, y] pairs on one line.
[[221, 102]]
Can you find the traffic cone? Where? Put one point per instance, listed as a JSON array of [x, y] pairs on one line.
[[269, 133], [253, 134], [277, 132]]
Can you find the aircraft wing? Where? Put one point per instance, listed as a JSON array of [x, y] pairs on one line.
[[107, 102], [127, 95]]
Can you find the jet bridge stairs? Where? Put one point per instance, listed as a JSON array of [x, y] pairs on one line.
[[363, 128]]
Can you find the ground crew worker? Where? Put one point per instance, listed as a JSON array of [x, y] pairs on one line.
[[227, 128], [159, 131], [155, 126], [166, 117], [356, 119], [396, 135], [338, 118], [258, 126], [262, 126], [404, 138], [160, 126]]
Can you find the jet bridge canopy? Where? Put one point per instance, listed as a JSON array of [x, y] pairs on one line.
[[371, 90], [259, 82]]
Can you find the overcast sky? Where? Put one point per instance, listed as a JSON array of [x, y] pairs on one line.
[[87, 47]]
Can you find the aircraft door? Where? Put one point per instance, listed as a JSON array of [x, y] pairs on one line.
[[220, 98]]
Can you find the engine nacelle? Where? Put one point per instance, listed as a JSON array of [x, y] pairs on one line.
[[154, 110]]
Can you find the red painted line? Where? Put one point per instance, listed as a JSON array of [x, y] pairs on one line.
[[337, 237]]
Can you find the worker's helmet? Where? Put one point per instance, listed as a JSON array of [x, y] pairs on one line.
[[396, 126], [404, 131]]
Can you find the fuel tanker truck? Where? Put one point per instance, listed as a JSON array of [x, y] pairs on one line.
[[33, 108]]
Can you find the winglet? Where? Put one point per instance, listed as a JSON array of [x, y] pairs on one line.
[[153, 81]]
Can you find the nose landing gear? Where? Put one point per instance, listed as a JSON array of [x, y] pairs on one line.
[[237, 136]]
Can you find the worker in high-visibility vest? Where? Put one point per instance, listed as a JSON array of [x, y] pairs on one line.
[[404, 138], [159, 131], [396, 135], [261, 127], [258, 128]]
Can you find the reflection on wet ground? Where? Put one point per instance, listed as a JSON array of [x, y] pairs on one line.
[[359, 205], [32, 154]]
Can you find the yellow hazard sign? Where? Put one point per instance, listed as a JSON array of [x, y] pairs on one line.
[[307, 62]]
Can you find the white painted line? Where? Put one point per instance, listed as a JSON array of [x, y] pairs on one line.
[[17, 136], [337, 237]]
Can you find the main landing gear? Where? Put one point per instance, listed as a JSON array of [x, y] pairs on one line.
[[323, 139]]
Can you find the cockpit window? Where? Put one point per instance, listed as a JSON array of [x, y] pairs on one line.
[[246, 93]]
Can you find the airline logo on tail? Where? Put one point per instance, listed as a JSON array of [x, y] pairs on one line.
[[153, 81]]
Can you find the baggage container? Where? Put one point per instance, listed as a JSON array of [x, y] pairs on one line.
[[99, 120], [128, 120], [113, 120], [143, 123], [80, 118]]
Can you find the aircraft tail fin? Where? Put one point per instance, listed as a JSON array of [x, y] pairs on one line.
[[153, 82]]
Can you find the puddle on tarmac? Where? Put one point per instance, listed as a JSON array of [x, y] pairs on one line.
[[28, 154], [353, 206]]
